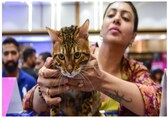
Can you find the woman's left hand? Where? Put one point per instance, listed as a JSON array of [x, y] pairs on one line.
[[91, 76], [89, 79]]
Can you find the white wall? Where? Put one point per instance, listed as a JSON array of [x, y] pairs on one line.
[[152, 14], [86, 12], [68, 14], [46, 16], [15, 17], [37, 17]]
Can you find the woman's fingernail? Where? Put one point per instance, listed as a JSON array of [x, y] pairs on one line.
[[80, 85], [59, 99]]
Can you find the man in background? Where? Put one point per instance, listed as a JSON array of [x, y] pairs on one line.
[[10, 58], [41, 60], [29, 61]]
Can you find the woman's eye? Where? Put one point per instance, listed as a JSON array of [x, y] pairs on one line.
[[77, 55], [61, 56], [110, 15], [126, 19]]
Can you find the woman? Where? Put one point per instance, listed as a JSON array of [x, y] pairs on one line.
[[126, 81], [157, 75]]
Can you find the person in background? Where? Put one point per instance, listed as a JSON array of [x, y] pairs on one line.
[[148, 64], [29, 61], [41, 60], [124, 80], [157, 75], [10, 57]]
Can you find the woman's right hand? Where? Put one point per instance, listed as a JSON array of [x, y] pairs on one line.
[[48, 80]]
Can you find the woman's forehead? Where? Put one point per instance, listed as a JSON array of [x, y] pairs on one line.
[[122, 6]]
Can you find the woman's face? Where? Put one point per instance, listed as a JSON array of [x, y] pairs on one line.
[[118, 24]]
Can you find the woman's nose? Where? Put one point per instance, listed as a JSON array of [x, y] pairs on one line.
[[117, 19]]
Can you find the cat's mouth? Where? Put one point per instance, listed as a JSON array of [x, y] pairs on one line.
[[70, 75]]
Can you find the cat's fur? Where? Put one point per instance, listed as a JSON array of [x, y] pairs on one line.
[[70, 51]]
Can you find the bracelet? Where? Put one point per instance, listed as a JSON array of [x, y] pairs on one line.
[[40, 93], [28, 99]]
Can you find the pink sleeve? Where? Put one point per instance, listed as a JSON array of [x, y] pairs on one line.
[[151, 94], [137, 73]]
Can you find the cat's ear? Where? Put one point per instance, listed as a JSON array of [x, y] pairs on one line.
[[84, 29], [53, 34]]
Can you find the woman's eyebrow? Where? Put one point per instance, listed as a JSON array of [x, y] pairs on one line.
[[122, 10], [112, 9], [125, 11]]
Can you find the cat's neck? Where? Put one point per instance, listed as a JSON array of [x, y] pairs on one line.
[[110, 59]]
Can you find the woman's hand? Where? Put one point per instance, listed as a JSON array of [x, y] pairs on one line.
[[91, 76], [50, 83]]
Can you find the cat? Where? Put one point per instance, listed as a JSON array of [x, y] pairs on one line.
[[70, 51]]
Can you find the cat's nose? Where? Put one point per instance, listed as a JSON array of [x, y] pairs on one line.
[[70, 73], [69, 68]]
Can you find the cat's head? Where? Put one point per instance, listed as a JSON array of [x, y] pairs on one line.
[[70, 48]]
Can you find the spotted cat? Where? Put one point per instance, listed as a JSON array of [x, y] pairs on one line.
[[70, 51]]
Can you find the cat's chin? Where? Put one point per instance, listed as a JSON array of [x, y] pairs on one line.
[[69, 76], [72, 75]]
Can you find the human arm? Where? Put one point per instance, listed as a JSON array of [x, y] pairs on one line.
[[47, 79], [126, 93], [135, 95]]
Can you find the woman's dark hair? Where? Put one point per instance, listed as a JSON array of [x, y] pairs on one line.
[[134, 11], [156, 71]]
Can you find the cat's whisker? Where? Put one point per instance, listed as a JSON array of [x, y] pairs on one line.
[[89, 82], [72, 54], [59, 83], [53, 75], [86, 67], [82, 74], [59, 77], [82, 78]]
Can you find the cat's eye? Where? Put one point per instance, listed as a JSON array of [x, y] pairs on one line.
[[77, 55], [61, 56]]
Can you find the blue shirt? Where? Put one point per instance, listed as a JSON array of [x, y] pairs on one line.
[[25, 82]]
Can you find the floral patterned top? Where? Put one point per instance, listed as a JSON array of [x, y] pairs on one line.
[[132, 71], [136, 72]]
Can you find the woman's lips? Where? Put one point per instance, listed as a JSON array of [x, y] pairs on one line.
[[115, 30]]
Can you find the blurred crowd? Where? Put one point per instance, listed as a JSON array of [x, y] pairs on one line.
[[24, 66]]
